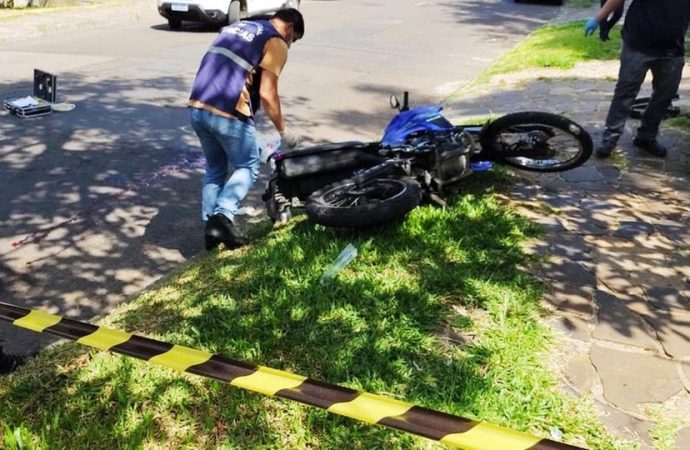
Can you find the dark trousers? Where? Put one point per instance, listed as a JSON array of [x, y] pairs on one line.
[[666, 73]]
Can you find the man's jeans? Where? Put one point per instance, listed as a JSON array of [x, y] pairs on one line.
[[225, 141], [666, 73]]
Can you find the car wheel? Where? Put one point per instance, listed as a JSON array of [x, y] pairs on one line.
[[174, 24], [234, 11]]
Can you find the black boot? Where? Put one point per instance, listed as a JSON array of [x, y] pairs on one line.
[[221, 229], [651, 146], [212, 234]]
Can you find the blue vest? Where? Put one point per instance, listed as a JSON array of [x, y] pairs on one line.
[[234, 54]]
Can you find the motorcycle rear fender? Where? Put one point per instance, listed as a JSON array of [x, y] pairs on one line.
[[324, 158]]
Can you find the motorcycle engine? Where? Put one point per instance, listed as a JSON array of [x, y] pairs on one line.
[[453, 157]]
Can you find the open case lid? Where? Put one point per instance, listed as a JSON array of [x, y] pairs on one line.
[[45, 85]]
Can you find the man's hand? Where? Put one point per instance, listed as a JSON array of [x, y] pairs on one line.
[[591, 26], [288, 140]]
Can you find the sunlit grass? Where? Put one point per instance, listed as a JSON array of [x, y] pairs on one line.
[[377, 327], [682, 122], [556, 46]]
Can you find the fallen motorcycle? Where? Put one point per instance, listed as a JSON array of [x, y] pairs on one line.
[[420, 157]]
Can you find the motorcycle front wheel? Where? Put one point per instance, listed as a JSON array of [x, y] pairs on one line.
[[344, 204], [537, 141]]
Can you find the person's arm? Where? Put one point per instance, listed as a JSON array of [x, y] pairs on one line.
[[270, 101], [593, 22], [609, 7]]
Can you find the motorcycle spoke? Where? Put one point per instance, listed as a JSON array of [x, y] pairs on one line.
[[538, 148]]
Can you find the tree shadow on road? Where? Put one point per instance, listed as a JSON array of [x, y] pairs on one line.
[[80, 192], [500, 20]]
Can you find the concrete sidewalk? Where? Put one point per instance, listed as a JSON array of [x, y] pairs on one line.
[[618, 249]]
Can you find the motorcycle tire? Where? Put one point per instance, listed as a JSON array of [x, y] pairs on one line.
[[563, 144], [345, 205], [640, 104]]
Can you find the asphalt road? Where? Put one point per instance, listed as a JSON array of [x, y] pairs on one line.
[[98, 203]]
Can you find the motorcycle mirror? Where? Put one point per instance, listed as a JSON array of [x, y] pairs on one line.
[[395, 103]]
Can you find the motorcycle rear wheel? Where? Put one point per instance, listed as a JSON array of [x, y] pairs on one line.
[[537, 142], [345, 205]]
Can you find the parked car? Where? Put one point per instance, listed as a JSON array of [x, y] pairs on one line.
[[218, 12]]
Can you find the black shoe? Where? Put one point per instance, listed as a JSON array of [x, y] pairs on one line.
[[220, 229], [212, 235], [604, 150], [651, 146]]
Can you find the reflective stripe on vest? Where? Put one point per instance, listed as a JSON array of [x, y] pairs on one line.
[[233, 56], [235, 53]]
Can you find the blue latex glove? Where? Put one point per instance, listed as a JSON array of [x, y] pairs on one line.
[[591, 26]]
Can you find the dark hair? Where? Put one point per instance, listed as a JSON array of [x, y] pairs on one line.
[[293, 16]]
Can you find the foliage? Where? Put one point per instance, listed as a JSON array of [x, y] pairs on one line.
[[556, 46], [435, 310]]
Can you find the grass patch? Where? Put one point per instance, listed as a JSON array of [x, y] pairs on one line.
[[555, 46], [376, 327], [580, 3], [665, 430], [682, 122]]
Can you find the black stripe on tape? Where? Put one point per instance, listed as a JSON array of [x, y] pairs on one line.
[[317, 393], [428, 423], [224, 369], [142, 348]]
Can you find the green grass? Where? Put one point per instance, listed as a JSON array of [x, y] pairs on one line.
[[682, 122], [664, 433], [556, 46], [581, 3], [377, 327]]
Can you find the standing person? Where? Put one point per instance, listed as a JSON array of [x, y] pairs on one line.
[[607, 24], [653, 39], [238, 74]]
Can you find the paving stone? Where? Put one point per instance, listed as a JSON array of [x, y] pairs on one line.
[[537, 248], [580, 372], [601, 187], [571, 326], [524, 191], [673, 331], [585, 226], [552, 224], [649, 165], [606, 206], [561, 199], [683, 440], [610, 173], [619, 324], [680, 186], [613, 268], [629, 229], [640, 180], [674, 231], [643, 261], [668, 299], [630, 379], [626, 426], [553, 184], [582, 173], [571, 287], [572, 247], [659, 206], [685, 369]]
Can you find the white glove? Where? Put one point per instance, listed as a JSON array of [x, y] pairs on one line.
[[288, 140]]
